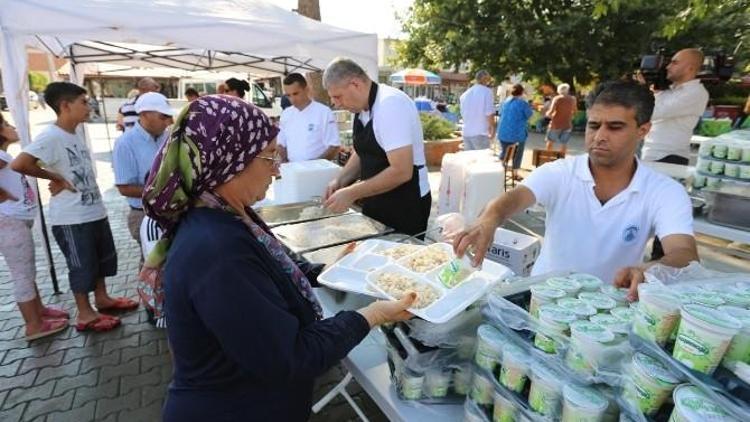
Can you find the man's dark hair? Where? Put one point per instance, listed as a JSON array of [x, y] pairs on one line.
[[628, 94], [57, 92], [192, 92], [295, 78], [516, 90]]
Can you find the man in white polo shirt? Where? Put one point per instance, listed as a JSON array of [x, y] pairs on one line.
[[478, 113], [603, 206], [308, 128]]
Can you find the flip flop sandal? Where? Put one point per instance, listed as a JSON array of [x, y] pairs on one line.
[[122, 304], [54, 313], [49, 327], [98, 325]]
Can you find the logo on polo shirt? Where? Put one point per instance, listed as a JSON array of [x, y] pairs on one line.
[[630, 232], [310, 127]]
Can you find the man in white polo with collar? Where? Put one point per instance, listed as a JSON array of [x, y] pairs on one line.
[[603, 206], [308, 130]]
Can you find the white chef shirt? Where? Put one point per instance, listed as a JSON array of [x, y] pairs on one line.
[[676, 112], [66, 154], [307, 134], [583, 235], [397, 125], [476, 104]]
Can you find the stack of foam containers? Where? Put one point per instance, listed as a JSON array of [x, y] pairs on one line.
[[469, 180], [304, 180]]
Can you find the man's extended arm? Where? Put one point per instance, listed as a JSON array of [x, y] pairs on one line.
[[479, 235]]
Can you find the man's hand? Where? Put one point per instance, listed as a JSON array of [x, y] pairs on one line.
[[58, 184], [6, 196], [630, 278], [476, 238], [340, 200], [332, 187]]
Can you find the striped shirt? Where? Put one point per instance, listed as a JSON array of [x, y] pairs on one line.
[[129, 116]]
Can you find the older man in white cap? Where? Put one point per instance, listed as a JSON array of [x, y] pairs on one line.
[[135, 151]]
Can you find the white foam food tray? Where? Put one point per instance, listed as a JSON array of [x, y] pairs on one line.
[[358, 271]]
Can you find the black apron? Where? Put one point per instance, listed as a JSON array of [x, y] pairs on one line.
[[402, 208]]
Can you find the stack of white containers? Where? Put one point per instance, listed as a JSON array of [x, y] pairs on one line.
[[303, 181], [469, 180]]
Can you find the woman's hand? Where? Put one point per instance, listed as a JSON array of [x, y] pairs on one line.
[[383, 311]]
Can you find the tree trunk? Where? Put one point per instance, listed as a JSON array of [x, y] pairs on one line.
[[311, 9]]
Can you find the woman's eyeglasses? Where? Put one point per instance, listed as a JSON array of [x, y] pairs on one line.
[[275, 159]]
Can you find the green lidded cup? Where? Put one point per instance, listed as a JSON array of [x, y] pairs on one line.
[[703, 337]]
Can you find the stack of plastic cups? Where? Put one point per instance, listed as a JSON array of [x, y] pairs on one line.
[[712, 300], [436, 382], [515, 368], [703, 337], [411, 384], [489, 347], [581, 309], [600, 301], [583, 404], [545, 393], [542, 294], [554, 321], [618, 327], [588, 344], [462, 380], [482, 390], [588, 282], [649, 385], [658, 313], [692, 405], [739, 348], [504, 409], [568, 285], [620, 296]]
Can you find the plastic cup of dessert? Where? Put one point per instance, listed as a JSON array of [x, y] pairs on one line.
[[649, 385], [581, 309], [583, 404], [703, 337], [515, 368], [570, 286], [692, 405], [739, 348], [541, 294], [545, 393], [554, 321]]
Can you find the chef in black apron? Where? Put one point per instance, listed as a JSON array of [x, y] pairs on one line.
[[389, 182]]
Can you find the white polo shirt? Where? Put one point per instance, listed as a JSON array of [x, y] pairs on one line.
[[476, 104], [676, 112], [396, 125], [307, 134], [583, 235]]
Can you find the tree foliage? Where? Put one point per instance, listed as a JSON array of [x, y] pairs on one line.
[[573, 41]]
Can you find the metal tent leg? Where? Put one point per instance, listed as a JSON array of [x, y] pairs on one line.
[[340, 388]]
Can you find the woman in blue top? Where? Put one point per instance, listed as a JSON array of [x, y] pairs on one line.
[[245, 328], [514, 116]]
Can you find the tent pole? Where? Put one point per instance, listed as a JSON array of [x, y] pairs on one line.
[[104, 111], [47, 249]]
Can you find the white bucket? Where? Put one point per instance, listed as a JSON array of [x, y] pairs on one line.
[[649, 385], [658, 314], [692, 405]]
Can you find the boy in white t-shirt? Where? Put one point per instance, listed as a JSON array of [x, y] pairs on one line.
[[76, 212]]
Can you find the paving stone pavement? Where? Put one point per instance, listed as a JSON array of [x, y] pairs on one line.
[[121, 375]]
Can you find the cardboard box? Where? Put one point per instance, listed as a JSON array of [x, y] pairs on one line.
[[516, 251]]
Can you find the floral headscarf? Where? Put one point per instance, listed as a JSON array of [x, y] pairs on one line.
[[212, 140]]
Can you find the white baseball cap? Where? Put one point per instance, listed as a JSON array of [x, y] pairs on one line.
[[153, 101]]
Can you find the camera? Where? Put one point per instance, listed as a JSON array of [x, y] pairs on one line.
[[717, 67]]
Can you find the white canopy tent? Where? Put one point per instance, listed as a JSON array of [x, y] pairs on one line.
[[249, 36]]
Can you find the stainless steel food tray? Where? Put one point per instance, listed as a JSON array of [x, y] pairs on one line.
[[728, 209], [337, 230], [277, 215]]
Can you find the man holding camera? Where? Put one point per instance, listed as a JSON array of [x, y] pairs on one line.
[[677, 110]]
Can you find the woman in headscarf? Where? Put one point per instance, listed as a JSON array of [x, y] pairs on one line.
[[245, 327]]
